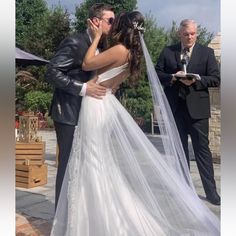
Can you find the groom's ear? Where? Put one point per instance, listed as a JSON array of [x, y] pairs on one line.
[[95, 21]]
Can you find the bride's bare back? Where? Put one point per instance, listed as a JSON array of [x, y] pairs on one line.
[[115, 81], [114, 57]]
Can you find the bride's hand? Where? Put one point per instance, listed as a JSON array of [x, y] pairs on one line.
[[96, 31]]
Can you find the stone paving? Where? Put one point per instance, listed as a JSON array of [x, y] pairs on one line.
[[35, 206]]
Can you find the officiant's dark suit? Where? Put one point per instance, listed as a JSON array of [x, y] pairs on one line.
[[190, 104]]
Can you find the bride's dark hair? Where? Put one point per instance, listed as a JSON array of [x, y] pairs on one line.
[[125, 30]]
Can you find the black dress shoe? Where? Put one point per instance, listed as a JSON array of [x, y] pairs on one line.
[[214, 199]]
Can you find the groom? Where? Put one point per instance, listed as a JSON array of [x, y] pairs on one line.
[[65, 73]]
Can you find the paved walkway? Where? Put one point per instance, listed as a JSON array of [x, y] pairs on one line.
[[35, 206]]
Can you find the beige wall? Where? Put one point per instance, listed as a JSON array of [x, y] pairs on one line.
[[215, 120]]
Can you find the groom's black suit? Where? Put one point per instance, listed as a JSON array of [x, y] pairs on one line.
[[65, 73], [192, 111]]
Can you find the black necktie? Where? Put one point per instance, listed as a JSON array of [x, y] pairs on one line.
[[186, 55], [183, 89]]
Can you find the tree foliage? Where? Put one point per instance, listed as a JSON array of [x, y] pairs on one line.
[[57, 28], [155, 37], [204, 37], [39, 30], [30, 24]]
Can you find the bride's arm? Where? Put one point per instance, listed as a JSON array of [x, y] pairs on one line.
[[106, 58], [96, 35]]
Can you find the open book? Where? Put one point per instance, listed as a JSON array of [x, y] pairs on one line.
[[188, 76]]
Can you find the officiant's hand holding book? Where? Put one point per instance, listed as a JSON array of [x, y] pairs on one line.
[[186, 76]]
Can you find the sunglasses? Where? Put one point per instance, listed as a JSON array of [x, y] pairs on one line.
[[109, 21]]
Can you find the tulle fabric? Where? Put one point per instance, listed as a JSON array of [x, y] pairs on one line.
[[118, 184], [170, 140]]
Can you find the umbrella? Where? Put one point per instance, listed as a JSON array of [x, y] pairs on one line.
[[24, 58]]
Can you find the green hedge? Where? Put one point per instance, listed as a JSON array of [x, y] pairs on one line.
[[38, 101]]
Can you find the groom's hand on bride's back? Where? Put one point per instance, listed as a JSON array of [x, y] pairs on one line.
[[95, 90]]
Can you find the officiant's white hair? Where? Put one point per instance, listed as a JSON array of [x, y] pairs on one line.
[[184, 23]]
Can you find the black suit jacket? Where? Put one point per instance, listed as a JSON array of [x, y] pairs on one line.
[[65, 73], [202, 62]]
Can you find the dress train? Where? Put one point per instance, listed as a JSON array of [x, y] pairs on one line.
[[118, 184]]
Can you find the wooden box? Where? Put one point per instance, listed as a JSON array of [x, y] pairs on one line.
[[30, 153], [31, 176]]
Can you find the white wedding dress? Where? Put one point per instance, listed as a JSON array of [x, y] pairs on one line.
[[118, 184]]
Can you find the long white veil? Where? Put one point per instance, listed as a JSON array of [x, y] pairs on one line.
[[117, 183], [171, 142]]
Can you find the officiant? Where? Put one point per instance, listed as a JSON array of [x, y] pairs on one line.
[[189, 97]]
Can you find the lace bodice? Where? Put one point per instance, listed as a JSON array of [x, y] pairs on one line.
[[111, 73]]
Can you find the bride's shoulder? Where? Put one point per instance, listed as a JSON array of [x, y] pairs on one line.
[[120, 48]]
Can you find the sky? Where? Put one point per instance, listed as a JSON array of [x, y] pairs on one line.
[[204, 12]]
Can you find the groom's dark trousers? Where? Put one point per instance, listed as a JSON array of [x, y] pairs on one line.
[[64, 144], [191, 104], [65, 73]]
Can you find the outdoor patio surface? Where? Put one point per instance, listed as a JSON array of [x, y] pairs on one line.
[[35, 206]]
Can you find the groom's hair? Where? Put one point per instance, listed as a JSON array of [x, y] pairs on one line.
[[97, 9]]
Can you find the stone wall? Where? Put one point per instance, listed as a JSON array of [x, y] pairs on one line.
[[215, 121], [215, 44], [215, 134], [215, 124]]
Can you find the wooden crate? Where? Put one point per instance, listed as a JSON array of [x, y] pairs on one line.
[[30, 153], [29, 176]]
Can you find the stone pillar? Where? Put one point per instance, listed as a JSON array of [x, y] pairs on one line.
[[215, 124], [215, 121], [215, 134]]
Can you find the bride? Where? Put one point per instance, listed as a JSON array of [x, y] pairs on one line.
[[117, 183]]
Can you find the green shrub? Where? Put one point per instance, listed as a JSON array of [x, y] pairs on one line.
[[38, 101], [137, 99]]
